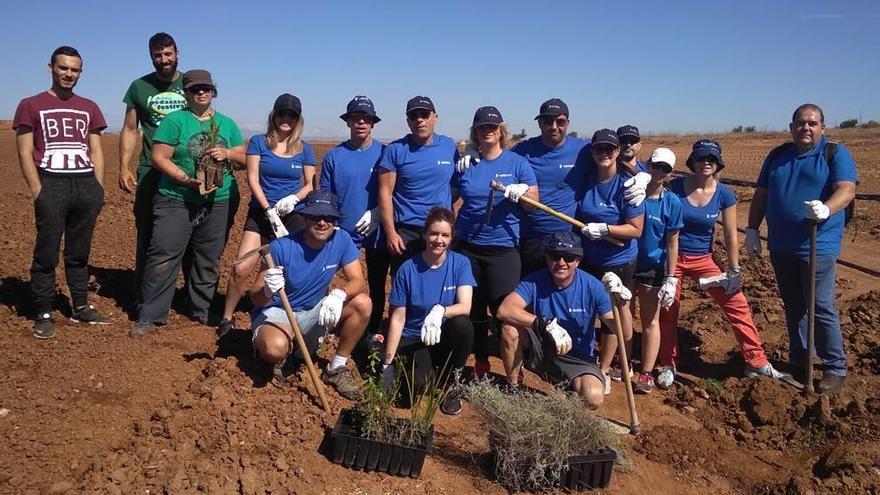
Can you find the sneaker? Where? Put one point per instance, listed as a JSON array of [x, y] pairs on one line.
[[340, 378], [87, 314], [452, 404], [831, 384], [616, 373], [141, 328], [607, 380], [645, 384], [225, 326], [481, 369], [665, 378], [767, 370], [44, 326], [508, 388]]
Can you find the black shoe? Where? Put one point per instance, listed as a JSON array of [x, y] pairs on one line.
[[508, 388], [141, 328], [831, 384], [452, 404], [88, 314], [44, 327], [225, 326]]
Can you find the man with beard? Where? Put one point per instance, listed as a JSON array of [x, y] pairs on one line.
[[58, 139], [148, 100], [628, 162]]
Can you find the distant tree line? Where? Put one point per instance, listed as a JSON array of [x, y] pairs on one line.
[[744, 129], [853, 123]]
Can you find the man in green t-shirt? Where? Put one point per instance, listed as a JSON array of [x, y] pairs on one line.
[[148, 100]]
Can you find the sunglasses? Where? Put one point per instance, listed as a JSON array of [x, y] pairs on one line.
[[290, 114], [662, 166], [706, 159], [549, 121], [202, 88], [603, 149], [325, 218], [568, 258], [418, 114]]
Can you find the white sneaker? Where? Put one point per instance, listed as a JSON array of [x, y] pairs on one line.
[[666, 378], [607, 383], [766, 370]]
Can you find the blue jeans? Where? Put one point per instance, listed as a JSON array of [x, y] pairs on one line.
[[793, 279]]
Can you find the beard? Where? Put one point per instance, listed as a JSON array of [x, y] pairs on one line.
[[167, 71]]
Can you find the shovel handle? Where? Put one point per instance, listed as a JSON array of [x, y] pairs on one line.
[[811, 311], [550, 211], [634, 426]]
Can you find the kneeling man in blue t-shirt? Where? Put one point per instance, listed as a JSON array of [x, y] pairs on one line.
[[549, 320], [306, 263]]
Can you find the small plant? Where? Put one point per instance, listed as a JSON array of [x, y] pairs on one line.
[[849, 123], [712, 385], [811, 436], [374, 408], [427, 400]]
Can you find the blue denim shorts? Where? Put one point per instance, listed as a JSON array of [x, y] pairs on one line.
[[306, 320]]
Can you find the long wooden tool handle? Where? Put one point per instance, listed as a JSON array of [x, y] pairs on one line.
[[301, 344], [811, 311], [546, 209], [634, 426]]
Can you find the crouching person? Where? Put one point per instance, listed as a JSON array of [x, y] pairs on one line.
[[430, 302], [306, 263], [549, 322]]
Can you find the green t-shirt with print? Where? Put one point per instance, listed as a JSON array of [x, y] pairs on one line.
[[152, 100], [190, 137]]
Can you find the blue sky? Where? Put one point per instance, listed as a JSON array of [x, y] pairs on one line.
[[664, 66]]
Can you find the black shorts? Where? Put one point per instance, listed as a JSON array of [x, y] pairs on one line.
[[531, 254], [626, 272], [651, 277], [564, 369], [256, 221]]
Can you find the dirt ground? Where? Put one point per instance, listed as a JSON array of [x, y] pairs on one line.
[[95, 411]]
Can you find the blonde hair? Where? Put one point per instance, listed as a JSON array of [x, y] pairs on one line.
[[504, 139], [294, 141]]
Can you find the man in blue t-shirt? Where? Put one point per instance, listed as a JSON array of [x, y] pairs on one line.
[[350, 172], [549, 321], [798, 187], [414, 175], [306, 263], [628, 162]]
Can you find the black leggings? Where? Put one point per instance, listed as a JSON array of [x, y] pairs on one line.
[[496, 270], [449, 355]]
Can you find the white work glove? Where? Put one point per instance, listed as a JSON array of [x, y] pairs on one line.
[[595, 231], [331, 308], [368, 223], [666, 295], [515, 191], [274, 280], [285, 205], [470, 157], [753, 243], [560, 337], [432, 325], [275, 222], [733, 281], [634, 188], [816, 210], [706, 283], [613, 285]]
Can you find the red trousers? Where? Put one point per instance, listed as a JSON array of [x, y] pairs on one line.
[[735, 307]]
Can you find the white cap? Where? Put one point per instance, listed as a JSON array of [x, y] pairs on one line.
[[664, 155]]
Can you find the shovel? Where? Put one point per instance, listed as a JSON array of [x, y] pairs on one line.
[[811, 311]]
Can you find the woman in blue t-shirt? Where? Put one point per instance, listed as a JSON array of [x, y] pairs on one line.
[[429, 306], [490, 238], [280, 170], [655, 283], [606, 213], [703, 200]]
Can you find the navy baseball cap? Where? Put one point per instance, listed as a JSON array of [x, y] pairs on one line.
[[628, 130], [319, 204], [487, 115], [553, 107], [287, 102], [605, 136], [363, 105], [704, 148], [419, 103], [564, 242]]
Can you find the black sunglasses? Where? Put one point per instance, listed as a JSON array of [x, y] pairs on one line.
[[418, 114], [548, 121], [290, 114], [604, 148], [318, 218], [569, 258], [201, 88]]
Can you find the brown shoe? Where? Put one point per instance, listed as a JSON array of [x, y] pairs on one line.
[[340, 378], [831, 384]]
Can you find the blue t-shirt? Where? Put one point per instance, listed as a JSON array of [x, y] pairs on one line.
[[350, 173], [423, 175], [790, 180], [576, 306], [308, 272], [418, 287], [558, 179], [640, 167], [604, 202], [662, 216], [699, 222], [502, 228], [279, 176]]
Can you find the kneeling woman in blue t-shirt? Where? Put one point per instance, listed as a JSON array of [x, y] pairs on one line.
[[429, 306]]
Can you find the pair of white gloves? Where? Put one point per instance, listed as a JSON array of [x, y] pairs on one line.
[[433, 325], [331, 306], [814, 210], [633, 193]]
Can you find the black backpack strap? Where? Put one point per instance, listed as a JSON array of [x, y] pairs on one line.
[[830, 152]]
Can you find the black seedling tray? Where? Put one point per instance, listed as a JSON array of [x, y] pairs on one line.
[[589, 471]]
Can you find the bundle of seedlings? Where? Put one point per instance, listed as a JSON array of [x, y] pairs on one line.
[[534, 436], [209, 170]]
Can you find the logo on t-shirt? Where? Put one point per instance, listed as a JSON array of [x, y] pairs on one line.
[[329, 267], [449, 287], [501, 176], [566, 165], [162, 104], [577, 310], [655, 218], [444, 162], [710, 215], [65, 133]]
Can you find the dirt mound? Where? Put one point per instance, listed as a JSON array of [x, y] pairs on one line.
[[860, 324]]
